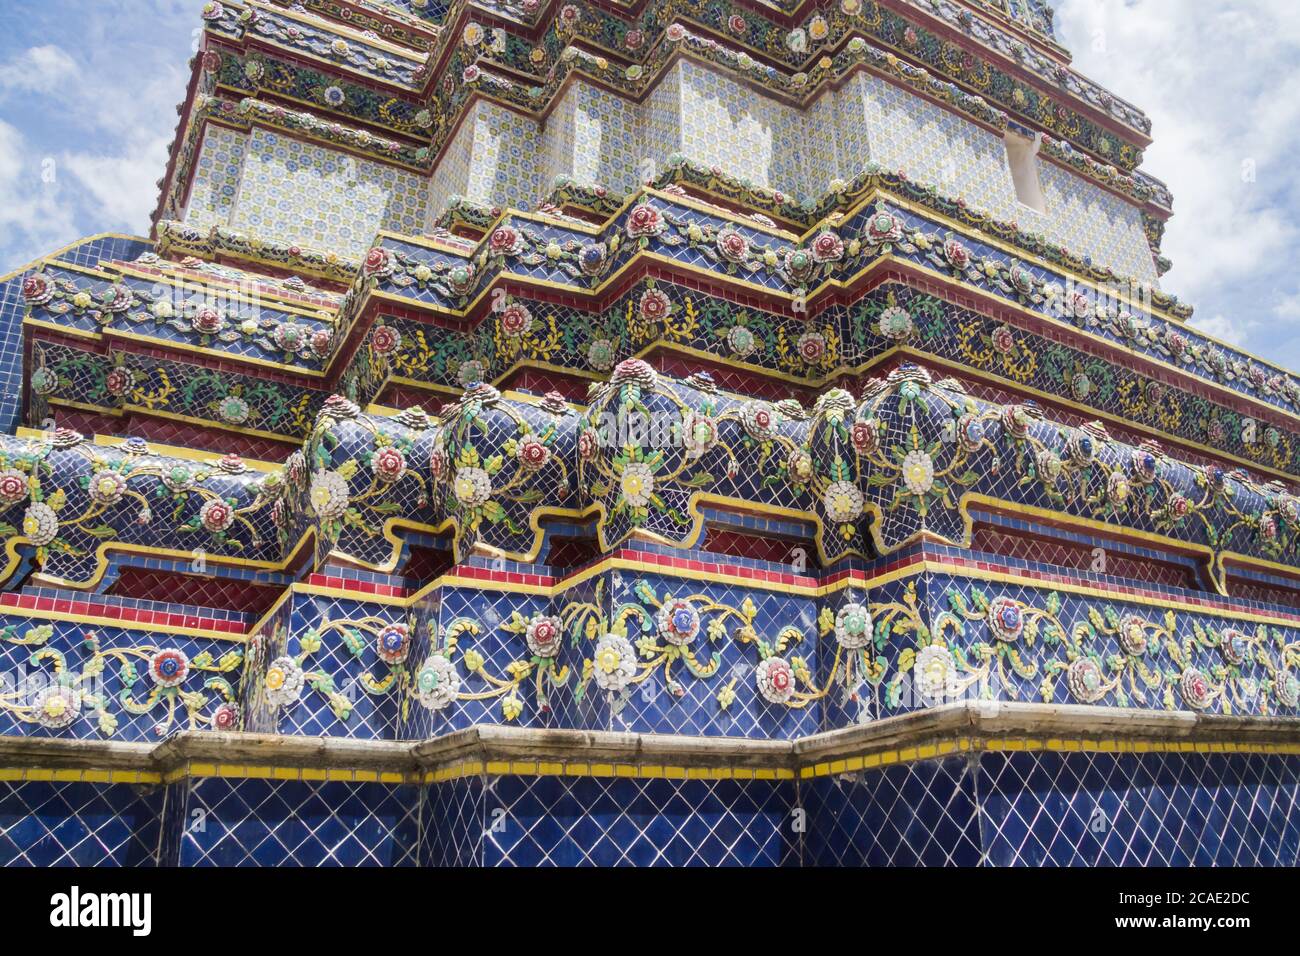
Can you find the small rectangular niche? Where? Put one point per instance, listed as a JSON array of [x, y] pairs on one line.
[[1022, 160]]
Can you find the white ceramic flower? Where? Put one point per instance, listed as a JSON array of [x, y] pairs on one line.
[[853, 626], [843, 501], [329, 494], [678, 621], [614, 663], [13, 486], [799, 466], [895, 323], [169, 667], [107, 488], [216, 515], [470, 372], [936, 674], [472, 487], [40, 524], [437, 684], [761, 420], [699, 434], [637, 484], [56, 706], [543, 636], [918, 472], [741, 340], [601, 355], [283, 682]]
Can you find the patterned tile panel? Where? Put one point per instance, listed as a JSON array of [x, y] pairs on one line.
[[13, 306], [916, 814], [45, 824], [323, 198], [217, 175], [452, 823], [586, 821], [61, 679], [253, 822], [1138, 810]]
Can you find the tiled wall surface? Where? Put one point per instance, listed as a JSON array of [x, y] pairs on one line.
[[594, 138], [991, 809], [495, 158], [1060, 809]]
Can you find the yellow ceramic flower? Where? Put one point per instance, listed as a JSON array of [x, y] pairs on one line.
[[473, 661]]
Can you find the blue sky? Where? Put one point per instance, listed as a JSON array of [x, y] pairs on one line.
[[88, 90]]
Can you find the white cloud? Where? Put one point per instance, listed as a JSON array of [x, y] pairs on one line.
[[41, 69], [1230, 331], [1288, 307], [124, 186], [1221, 83], [97, 113], [36, 215]]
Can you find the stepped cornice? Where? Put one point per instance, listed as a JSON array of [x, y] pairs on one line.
[[1020, 47], [904, 463], [1094, 304], [462, 67]]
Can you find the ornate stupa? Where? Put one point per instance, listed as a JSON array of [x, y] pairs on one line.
[[642, 432]]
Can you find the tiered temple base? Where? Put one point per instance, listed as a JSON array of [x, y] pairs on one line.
[[651, 433]]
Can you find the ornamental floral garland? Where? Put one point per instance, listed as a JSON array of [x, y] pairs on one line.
[[64, 497], [287, 677], [123, 379], [998, 647], [841, 252], [282, 337], [952, 445], [496, 462], [671, 632], [649, 448], [362, 473], [149, 678]]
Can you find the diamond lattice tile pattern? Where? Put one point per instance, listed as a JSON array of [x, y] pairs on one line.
[[46, 824], [299, 823]]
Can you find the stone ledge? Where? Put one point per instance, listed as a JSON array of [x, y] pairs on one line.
[[952, 728]]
